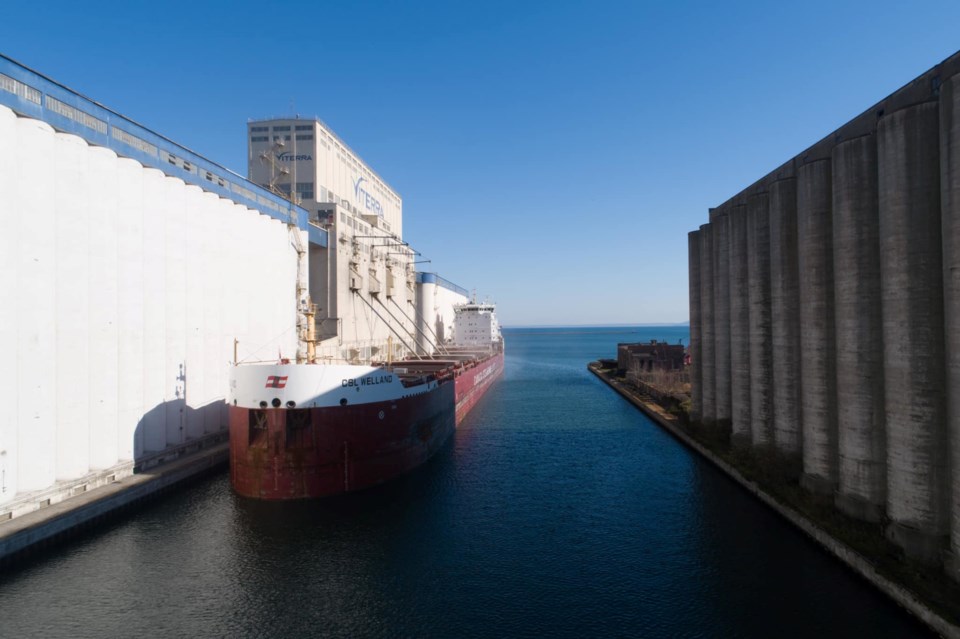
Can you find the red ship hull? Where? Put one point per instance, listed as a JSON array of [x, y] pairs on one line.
[[279, 453]]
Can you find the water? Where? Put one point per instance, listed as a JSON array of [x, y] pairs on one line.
[[558, 510]]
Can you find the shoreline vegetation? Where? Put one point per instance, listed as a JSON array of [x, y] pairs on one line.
[[925, 592]]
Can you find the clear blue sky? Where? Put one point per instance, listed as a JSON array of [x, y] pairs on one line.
[[551, 155]]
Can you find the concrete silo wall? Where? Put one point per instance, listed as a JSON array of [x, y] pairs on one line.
[[708, 409], [785, 313], [693, 253], [721, 316], [761, 343], [846, 320], [950, 220], [739, 328], [817, 347], [912, 300], [856, 258]]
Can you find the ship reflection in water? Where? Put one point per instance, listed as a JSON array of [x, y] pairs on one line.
[[556, 510]]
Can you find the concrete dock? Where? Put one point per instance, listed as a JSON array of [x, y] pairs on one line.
[[50, 524]]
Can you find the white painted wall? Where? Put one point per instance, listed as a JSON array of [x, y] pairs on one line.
[[101, 173], [124, 289], [9, 311], [72, 240], [435, 311], [130, 404], [35, 299]]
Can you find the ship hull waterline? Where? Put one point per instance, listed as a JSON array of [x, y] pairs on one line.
[[281, 454]]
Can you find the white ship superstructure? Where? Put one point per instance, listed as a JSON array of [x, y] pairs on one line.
[[475, 325]]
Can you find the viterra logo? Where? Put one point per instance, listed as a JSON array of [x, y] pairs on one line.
[[369, 201], [290, 157], [275, 381]]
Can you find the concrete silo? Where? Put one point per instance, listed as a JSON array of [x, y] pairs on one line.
[[859, 336], [785, 314], [761, 348], [912, 301], [693, 256], [817, 349], [739, 328], [721, 316]]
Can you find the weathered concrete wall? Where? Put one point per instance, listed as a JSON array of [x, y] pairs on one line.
[[912, 299], [950, 221], [721, 315], [785, 312], [739, 328], [761, 346], [693, 253], [708, 398], [818, 390], [876, 267], [856, 257]]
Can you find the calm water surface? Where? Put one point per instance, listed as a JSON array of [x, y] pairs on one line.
[[558, 510]]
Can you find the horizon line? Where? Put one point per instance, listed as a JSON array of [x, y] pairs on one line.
[[615, 325]]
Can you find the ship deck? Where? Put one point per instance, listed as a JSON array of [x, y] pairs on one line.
[[442, 366]]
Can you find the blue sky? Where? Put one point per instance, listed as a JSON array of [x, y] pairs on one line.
[[551, 155]]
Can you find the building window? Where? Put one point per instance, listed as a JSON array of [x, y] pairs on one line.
[[304, 127], [281, 128], [304, 137], [305, 190], [259, 129], [259, 138]]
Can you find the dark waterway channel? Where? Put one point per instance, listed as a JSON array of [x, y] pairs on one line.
[[558, 510]]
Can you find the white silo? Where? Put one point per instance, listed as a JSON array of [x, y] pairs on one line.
[[261, 260], [9, 258], [36, 330], [245, 276], [193, 360], [225, 239], [101, 174], [282, 318], [72, 230], [425, 300], [153, 424], [130, 407], [213, 376], [175, 308]]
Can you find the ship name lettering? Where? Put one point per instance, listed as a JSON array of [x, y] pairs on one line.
[[367, 381]]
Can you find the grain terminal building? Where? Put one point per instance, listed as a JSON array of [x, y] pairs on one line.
[[385, 309], [134, 272]]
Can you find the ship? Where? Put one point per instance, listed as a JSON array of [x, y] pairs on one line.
[[316, 429]]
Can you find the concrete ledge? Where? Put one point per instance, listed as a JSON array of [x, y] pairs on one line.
[[859, 508], [29, 502], [917, 544], [817, 485], [40, 528], [860, 564]]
